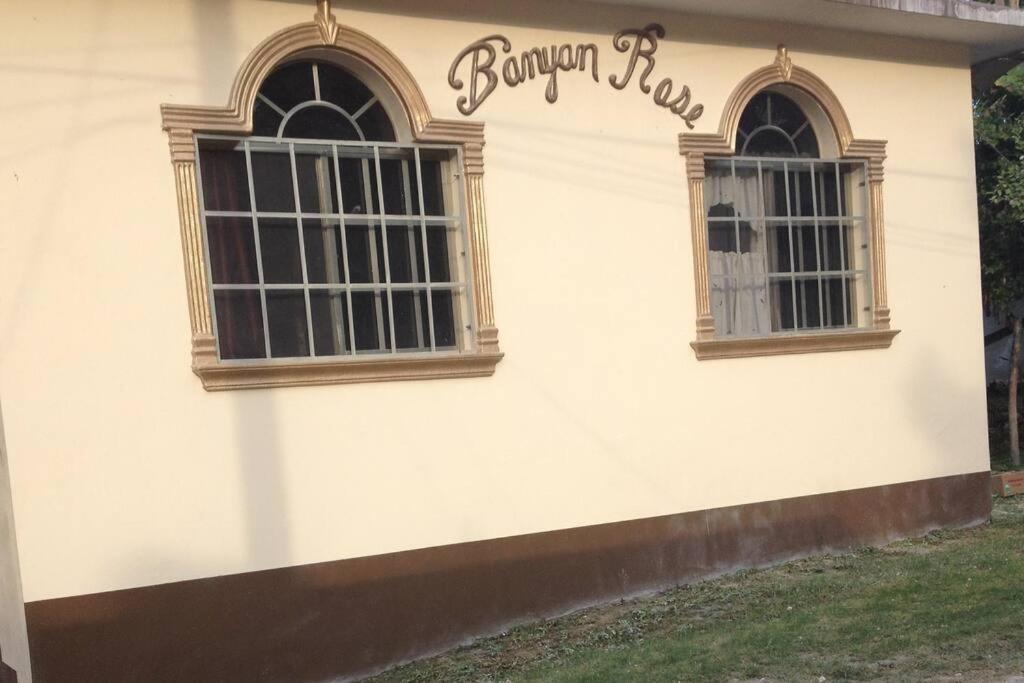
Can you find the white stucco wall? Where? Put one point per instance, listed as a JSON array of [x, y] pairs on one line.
[[126, 473]]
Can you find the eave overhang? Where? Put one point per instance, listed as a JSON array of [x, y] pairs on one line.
[[988, 31]]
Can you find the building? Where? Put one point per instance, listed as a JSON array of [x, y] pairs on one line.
[[724, 243]]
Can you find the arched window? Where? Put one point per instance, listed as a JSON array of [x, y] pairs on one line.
[[787, 227], [324, 236]]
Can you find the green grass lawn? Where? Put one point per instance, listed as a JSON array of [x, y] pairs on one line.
[[949, 606]]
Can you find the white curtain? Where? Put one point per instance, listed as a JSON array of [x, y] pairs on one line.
[[743, 196], [739, 294]]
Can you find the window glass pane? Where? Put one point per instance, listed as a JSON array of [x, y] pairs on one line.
[[780, 294], [405, 251], [272, 178], [324, 262], [320, 123], [439, 253], [232, 251], [330, 321], [290, 85], [239, 324], [376, 125], [225, 181], [444, 305], [773, 181], [365, 252], [286, 321], [339, 87], [722, 236], [369, 321], [768, 142], [411, 321], [806, 249], [432, 171], [833, 253], [279, 246], [265, 119], [809, 306], [401, 191], [317, 187], [358, 180], [828, 196], [779, 252], [837, 300], [801, 198]]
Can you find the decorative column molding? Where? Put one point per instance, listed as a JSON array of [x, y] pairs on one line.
[[878, 284], [204, 347], [487, 333], [699, 234]]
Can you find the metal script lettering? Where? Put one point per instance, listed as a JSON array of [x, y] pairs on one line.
[[544, 61], [548, 61], [645, 45]]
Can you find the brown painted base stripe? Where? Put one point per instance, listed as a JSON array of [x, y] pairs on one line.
[[350, 617]]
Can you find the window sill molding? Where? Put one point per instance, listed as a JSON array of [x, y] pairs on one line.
[[228, 376], [714, 349]]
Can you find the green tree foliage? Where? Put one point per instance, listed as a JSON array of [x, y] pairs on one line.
[[999, 152], [999, 135]]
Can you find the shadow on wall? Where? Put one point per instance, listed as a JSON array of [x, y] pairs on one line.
[[255, 420], [261, 478]]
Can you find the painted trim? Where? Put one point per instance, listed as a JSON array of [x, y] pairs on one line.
[[353, 617], [696, 147], [820, 342], [183, 122]]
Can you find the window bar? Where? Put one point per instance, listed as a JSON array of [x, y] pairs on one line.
[[800, 249], [762, 210], [737, 281], [869, 270], [330, 246], [817, 248], [384, 240], [359, 286], [828, 291], [316, 82], [413, 219], [465, 273], [822, 235], [344, 249], [311, 348], [426, 251], [414, 267], [372, 245], [840, 209], [259, 250], [792, 261]]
